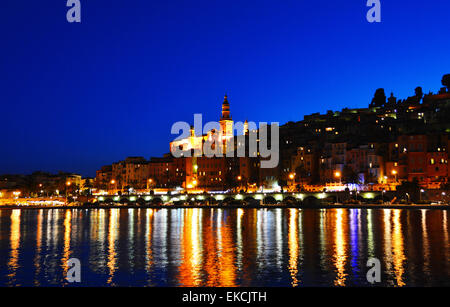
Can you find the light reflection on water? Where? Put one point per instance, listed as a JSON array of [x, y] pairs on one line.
[[224, 247]]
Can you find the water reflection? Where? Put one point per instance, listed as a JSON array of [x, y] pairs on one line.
[[113, 231], [192, 251], [224, 247], [398, 248], [13, 263], [67, 233], [293, 246], [340, 255], [37, 258]]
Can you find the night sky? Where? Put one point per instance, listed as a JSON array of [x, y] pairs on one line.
[[76, 96]]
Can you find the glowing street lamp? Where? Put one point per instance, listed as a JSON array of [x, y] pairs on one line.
[[338, 175], [68, 184], [394, 172], [421, 191], [112, 182], [291, 176], [149, 183]]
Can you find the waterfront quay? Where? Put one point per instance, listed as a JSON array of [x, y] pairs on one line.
[[373, 199], [344, 199]]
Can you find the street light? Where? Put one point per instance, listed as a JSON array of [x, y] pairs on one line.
[[239, 178], [149, 183], [421, 191], [292, 177], [382, 195], [394, 172], [338, 174], [112, 182], [68, 183]]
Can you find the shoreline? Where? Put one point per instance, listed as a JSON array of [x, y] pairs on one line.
[[287, 206]]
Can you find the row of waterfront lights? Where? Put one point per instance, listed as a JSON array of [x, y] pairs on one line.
[[278, 197]]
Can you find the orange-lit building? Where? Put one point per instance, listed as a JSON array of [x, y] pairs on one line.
[[436, 169], [305, 165], [418, 157]]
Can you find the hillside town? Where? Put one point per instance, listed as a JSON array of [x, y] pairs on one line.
[[391, 144]]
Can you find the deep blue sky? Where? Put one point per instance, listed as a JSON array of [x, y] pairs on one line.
[[77, 96]]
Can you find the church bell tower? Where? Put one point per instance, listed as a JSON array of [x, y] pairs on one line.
[[226, 122]]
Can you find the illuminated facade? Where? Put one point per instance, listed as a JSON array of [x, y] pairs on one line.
[[195, 142]]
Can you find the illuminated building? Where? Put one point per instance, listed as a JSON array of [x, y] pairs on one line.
[[195, 142]]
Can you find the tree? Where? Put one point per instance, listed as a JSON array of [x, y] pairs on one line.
[[445, 186], [301, 173], [87, 188], [229, 181], [371, 178], [412, 188], [118, 181], [299, 188], [379, 99], [349, 176], [282, 183], [254, 178], [392, 100], [446, 81], [127, 189], [419, 94]]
